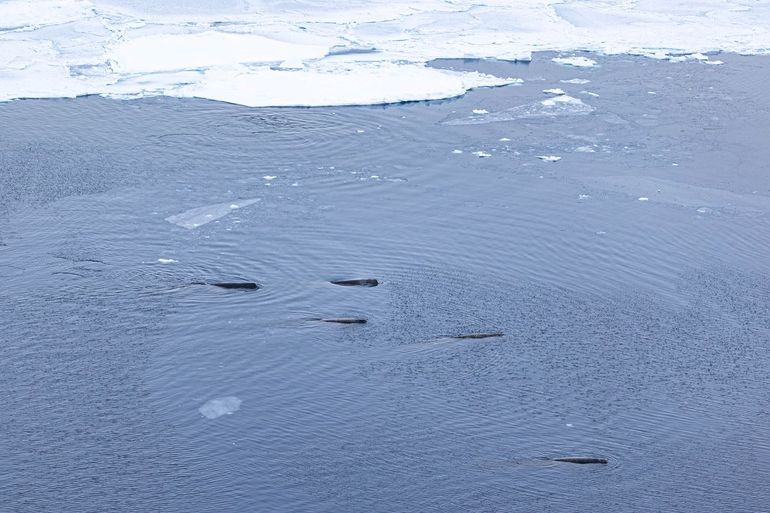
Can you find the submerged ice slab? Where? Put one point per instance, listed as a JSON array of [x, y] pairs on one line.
[[199, 216], [220, 406], [563, 105], [300, 52]]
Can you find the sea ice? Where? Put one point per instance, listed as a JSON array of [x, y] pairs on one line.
[[555, 90], [220, 406], [579, 62], [199, 216], [482, 154], [563, 105], [549, 158], [579, 81], [308, 52]]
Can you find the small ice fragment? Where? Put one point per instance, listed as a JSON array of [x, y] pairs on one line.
[[601, 233], [713, 63], [548, 158], [167, 260], [482, 154], [585, 149], [503, 139], [457, 151], [651, 92], [703, 210], [674, 164], [375, 177], [644, 199], [589, 93], [295, 184], [480, 111], [569, 425], [269, 177], [579, 62], [234, 206], [220, 406], [359, 131], [575, 81], [554, 90], [584, 196]]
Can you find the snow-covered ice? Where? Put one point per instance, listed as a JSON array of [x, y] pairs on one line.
[[349, 52], [579, 62]]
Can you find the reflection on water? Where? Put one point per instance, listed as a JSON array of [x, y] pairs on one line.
[[629, 331]]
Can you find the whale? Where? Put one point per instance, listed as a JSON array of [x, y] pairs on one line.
[[343, 320], [582, 460], [249, 285], [477, 335], [367, 282]]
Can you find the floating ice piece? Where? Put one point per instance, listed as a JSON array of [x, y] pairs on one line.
[[585, 149], [589, 93], [578, 81], [503, 139], [548, 158], [555, 90], [199, 216], [167, 261], [643, 198], [220, 406], [563, 105], [482, 154], [713, 63], [269, 177], [457, 151], [579, 62], [480, 111], [583, 196]]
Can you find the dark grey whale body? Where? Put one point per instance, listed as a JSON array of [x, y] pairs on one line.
[[343, 320], [250, 285], [580, 460], [478, 335], [368, 282]]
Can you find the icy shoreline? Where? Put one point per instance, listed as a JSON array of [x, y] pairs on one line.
[[305, 53]]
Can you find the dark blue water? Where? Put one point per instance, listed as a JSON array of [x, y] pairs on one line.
[[635, 331]]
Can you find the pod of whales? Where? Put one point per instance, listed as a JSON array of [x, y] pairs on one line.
[[580, 460], [250, 285], [368, 282]]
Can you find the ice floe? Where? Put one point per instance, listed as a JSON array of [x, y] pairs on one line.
[[199, 216], [220, 406], [349, 52], [549, 158], [554, 90], [578, 62], [578, 81]]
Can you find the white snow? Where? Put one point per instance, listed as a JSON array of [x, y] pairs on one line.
[[347, 52]]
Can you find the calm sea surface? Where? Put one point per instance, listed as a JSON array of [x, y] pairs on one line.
[[630, 280]]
